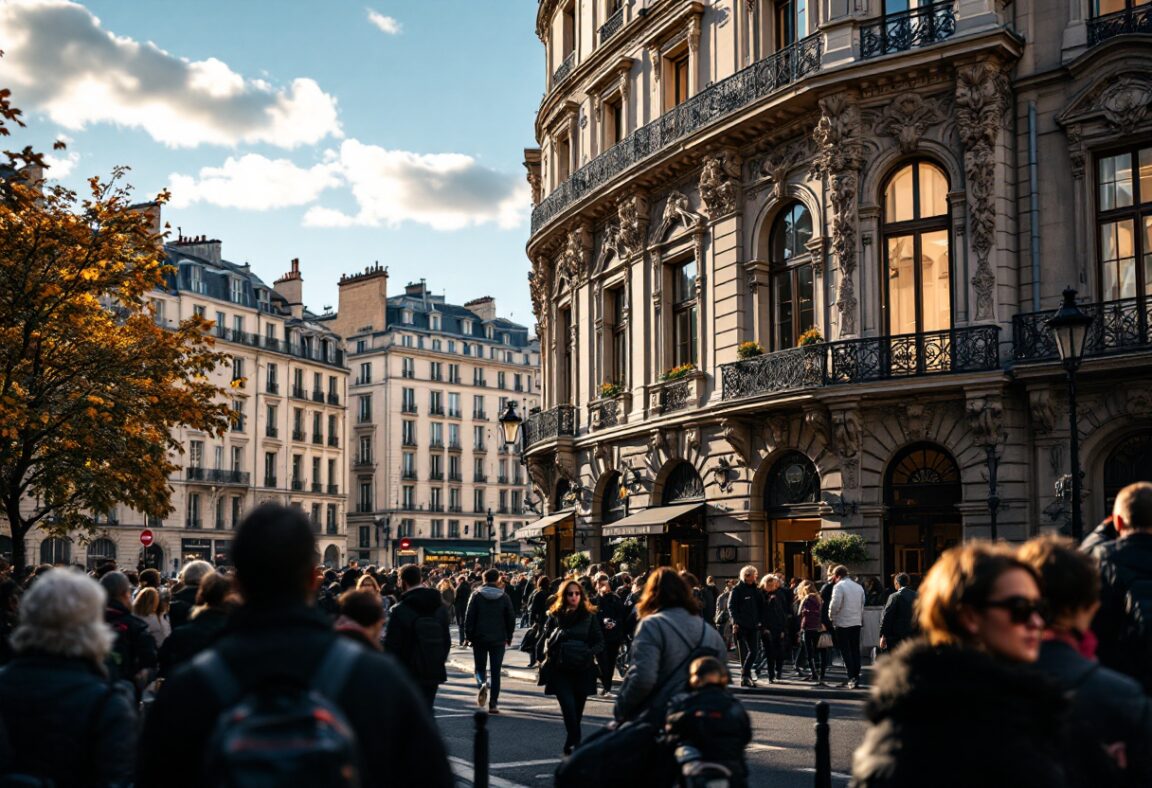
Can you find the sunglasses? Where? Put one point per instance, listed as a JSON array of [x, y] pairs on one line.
[[573, 593], [1020, 609]]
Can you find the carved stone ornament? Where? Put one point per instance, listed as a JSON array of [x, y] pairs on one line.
[[737, 433], [536, 184], [609, 245], [1127, 103], [839, 156], [846, 430], [780, 161], [816, 419], [655, 441], [915, 419], [722, 472], [982, 100], [676, 209], [850, 473], [538, 471], [540, 288], [1043, 413], [692, 438], [657, 65], [719, 184], [632, 214], [985, 418], [908, 118], [1138, 401], [573, 260], [776, 430]]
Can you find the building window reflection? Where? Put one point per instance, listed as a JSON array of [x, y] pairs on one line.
[[793, 284], [1124, 205], [917, 259]]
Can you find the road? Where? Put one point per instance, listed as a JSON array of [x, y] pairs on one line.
[[527, 737]]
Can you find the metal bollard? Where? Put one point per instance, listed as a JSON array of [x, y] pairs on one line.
[[823, 748], [480, 751]]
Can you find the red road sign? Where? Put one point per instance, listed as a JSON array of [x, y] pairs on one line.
[[405, 543], [146, 537]]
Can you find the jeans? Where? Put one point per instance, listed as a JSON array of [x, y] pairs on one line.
[[484, 654], [746, 640], [774, 652], [815, 655], [569, 690], [606, 662], [848, 638]]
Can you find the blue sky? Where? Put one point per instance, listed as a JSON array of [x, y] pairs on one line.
[[338, 132]]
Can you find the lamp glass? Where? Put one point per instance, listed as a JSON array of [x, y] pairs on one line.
[[1069, 327], [510, 422]]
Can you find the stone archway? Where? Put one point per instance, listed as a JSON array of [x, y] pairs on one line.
[[922, 488]]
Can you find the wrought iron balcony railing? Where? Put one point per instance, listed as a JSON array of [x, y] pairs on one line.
[[565, 69], [736, 92], [968, 349], [613, 25], [608, 411], [556, 422], [216, 475], [916, 27], [1118, 327], [1137, 19], [675, 396]]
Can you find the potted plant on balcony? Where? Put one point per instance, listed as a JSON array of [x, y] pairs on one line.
[[676, 373], [841, 549], [749, 349], [610, 390], [810, 337]]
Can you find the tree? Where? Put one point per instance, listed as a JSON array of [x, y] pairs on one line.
[[92, 390], [841, 549], [628, 552]]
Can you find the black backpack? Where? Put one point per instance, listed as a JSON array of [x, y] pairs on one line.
[[428, 650], [282, 734]]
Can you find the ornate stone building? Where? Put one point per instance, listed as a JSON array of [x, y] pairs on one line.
[[791, 263]]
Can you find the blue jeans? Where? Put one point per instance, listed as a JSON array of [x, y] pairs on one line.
[[483, 655]]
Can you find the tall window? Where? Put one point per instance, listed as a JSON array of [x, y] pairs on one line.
[[684, 310], [793, 289], [618, 352], [567, 366], [918, 292], [1105, 7], [791, 21], [612, 121], [1124, 205], [679, 67]]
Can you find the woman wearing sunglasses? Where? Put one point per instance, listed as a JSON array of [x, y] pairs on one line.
[[572, 640], [962, 706]]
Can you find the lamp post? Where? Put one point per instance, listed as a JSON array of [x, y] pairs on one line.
[[492, 539], [383, 536], [510, 422], [1069, 327]]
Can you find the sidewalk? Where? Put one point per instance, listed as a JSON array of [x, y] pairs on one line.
[[516, 667]]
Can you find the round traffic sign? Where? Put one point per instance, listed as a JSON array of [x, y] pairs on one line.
[[405, 543], [146, 537]]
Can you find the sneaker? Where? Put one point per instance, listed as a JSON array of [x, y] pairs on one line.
[[854, 684], [482, 695], [842, 685], [493, 710]]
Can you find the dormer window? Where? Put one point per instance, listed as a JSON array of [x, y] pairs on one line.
[[237, 290], [506, 339], [466, 327], [488, 332], [195, 279], [406, 317], [435, 320]]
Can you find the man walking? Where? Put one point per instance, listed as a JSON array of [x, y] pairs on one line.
[[489, 624], [847, 615], [898, 622], [417, 633], [1122, 623], [277, 639], [746, 610]]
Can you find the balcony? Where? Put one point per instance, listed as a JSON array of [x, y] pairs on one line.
[[363, 462], [317, 487], [481, 382], [502, 478], [333, 489], [272, 387], [479, 415], [318, 438], [605, 413], [409, 475], [454, 414], [899, 32], [456, 509], [408, 407], [727, 96], [317, 395], [270, 481], [435, 507], [1137, 19], [216, 476], [333, 441], [613, 25], [480, 448], [298, 435], [299, 392], [408, 440], [969, 349], [298, 485], [480, 478], [454, 446], [333, 399], [436, 476], [565, 69], [363, 507], [557, 422], [1118, 327], [435, 444], [455, 477], [435, 410], [271, 431]]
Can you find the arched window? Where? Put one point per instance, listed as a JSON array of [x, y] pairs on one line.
[[684, 484], [99, 551], [793, 289], [332, 556], [917, 260], [921, 491], [1127, 463], [55, 550], [793, 480]]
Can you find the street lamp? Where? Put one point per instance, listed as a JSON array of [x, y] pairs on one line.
[[492, 539], [1069, 327], [510, 422]]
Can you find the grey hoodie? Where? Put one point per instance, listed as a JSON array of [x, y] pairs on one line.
[[490, 618]]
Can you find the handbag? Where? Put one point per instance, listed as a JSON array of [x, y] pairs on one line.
[[528, 643], [825, 640]]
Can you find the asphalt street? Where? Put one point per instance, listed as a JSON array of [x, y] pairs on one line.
[[527, 737]]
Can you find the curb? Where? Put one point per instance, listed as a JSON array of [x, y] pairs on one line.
[[798, 691]]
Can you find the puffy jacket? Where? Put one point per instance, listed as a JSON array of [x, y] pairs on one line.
[[578, 627], [746, 605], [400, 634], [847, 608], [66, 722], [489, 618]]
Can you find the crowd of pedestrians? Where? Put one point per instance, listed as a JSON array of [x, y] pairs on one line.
[[1036, 656]]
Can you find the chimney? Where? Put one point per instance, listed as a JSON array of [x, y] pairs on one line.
[[363, 302], [199, 246], [483, 307], [291, 286]]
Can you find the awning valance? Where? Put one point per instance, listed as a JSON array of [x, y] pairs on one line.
[[463, 550], [545, 526], [651, 521]]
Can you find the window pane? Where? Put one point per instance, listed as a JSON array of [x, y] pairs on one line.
[[782, 320], [1117, 260], [1146, 176], [933, 191], [901, 286], [685, 285], [936, 282], [805, 297], [1148, 255], [1116, 182], [898, 198]]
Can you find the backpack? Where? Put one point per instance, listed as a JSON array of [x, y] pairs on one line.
[[279, 733], [1137, 633], [428, 651]]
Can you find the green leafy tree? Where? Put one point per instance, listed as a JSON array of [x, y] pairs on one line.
[[628, 551], [841, 549]]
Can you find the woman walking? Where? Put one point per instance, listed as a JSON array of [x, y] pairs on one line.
[[967, 681], [811, 626], [572, 639], [773, 622], [611, 613]]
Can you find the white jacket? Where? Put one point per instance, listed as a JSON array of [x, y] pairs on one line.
[[847, 608]]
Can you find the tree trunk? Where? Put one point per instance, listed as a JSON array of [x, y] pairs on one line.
[[19, 551]]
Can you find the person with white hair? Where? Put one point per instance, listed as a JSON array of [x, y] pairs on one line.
[[180, 610], [67, 724]]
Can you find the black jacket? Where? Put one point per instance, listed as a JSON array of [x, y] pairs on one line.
[[67, 723], [577, 626], [182, 603], [774, 611], [898, 621], [1107, 708], [192, 638], [1101, 535], [134, 649], [390, 719], [746, 605], [489, 618], [611, 606], [1122, 563], [538, 607], [954, 717], [715, 723], [400, 634]]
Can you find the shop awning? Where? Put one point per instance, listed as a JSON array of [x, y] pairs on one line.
[[545, 526], [451, 547], [651, 521]]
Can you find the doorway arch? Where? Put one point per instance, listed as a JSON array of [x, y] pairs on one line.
[[922, 489], [792, 502], [99, 551], [55, 550], [1128, 462], [332, 557]]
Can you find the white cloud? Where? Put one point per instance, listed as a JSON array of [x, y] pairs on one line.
[[58, 59], [60, 167], [446, 191], [386, 23], [254, 183]]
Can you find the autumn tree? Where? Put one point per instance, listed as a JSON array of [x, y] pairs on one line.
[[92, 390]]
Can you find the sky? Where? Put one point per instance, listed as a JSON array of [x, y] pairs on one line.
[[339, 132]]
